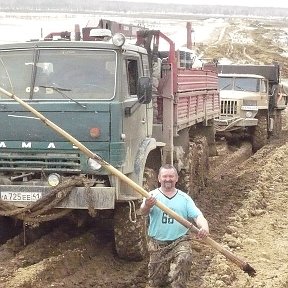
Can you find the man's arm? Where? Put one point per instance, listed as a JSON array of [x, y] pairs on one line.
[[203, 226]]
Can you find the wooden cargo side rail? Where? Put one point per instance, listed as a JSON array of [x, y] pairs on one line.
[[195, 80], [197, 98]]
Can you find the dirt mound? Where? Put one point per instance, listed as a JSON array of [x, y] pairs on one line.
[[246, 213], [248, 41]]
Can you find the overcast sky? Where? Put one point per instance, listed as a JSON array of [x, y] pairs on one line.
[[251, 3]]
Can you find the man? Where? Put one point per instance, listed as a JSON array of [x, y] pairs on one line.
[[169, 243]]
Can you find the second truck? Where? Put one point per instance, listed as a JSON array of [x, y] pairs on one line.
[[252, 101]]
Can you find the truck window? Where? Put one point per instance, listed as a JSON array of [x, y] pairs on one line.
[[81, 74], [263, 86], [146, 69], [247, 84], [132, 72], [124, 82], [225, 83], [15, 75]]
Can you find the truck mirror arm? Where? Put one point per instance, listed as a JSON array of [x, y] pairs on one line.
[[130, 110]]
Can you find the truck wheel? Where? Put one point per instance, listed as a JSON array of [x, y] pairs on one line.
[[194, 176], [203, 161], [7, 228], [187, 175], [131, 237], [203, 166], [277, 124], [260, 133], [284, 119]]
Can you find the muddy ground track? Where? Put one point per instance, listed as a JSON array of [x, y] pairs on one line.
[[59, 254]]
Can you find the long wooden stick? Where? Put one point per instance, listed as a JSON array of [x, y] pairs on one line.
[[229, 255]]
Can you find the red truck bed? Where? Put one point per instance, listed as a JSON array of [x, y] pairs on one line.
[[196, 97]]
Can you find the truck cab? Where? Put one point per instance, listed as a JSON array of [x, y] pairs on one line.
[[241, 97], [85, 88]]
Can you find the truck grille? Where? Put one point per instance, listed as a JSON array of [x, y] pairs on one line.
[[25, 161], [228, 107]]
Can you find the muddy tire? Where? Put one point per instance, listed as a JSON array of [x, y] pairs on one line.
[[7, 228], [260, 133], [277, 124], [193, 178], [187, 177], [203, 161], [150, 180], [284, 119], [131, 236]]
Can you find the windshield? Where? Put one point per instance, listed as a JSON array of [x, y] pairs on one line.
[[41, 74], [247, 84], [240, 84], [225, 83]]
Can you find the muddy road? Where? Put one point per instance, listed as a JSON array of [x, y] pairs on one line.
[[244, 203]]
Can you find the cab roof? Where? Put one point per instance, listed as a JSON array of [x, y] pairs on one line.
[[240, 75], [70, 44]]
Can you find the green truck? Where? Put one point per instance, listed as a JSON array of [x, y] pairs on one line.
[[134, 105]]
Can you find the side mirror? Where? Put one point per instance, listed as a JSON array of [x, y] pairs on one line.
[[144, 88]]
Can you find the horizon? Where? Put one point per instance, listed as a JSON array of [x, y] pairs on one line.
[[244, 3]]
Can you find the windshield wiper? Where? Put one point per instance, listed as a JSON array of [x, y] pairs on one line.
[[226, 86], [60, 91], [240, 88], [34, 71]]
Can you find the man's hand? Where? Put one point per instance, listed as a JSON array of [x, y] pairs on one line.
[[203, 227], [150, 202], [147, 205], [203, 233]]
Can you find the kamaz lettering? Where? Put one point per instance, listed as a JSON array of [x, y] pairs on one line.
[[30, 145]]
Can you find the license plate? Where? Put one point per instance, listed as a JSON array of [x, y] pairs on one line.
[[21, 196], [253, 108]]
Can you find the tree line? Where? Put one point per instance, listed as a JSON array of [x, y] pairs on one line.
[[90, 6]]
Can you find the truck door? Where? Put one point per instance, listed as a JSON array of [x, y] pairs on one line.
[[134, 120]]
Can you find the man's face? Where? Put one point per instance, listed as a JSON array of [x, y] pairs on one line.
[[168, 178]]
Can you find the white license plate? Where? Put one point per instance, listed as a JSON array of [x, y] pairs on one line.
[[252, 108], [21, 196]]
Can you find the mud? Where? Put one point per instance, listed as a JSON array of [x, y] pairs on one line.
[[244, 203]]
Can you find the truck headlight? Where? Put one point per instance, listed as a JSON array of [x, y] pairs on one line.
[[118, 39], [249, 114], [54, 179]]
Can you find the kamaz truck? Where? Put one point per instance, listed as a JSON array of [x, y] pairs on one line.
[[251, 103], [135, 106]]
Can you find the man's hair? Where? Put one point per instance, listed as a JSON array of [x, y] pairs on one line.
[[168, 166]]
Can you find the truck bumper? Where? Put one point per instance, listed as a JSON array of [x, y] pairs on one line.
[[234, 124], [22, 195]]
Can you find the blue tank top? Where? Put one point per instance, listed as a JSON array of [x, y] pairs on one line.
[[164, 228]]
